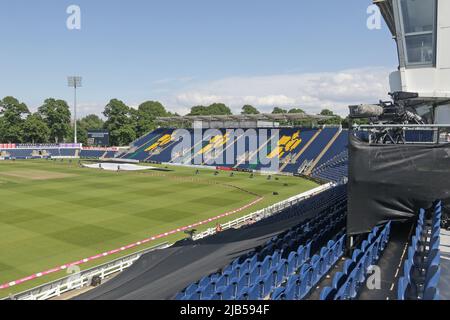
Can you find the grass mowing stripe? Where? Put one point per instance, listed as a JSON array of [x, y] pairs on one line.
[[127, 247], [135, 204]]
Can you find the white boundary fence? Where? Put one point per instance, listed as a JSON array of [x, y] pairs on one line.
[[267, 212], [83, 279]]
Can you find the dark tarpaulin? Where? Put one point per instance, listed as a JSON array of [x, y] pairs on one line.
[[161, 274], [392, 182]]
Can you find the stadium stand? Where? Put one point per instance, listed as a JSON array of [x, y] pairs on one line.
[[138, 147], [283, 267], [348, 281], [336, 149], [421, 269], [38, 151], [67, 152], [318, 143], [97, 153], [294, 147], [91, 154], [335, 169]]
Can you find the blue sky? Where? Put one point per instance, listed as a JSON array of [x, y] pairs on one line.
[[310, 54]]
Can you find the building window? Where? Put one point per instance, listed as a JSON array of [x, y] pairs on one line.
[[419, 28], [443, 114], [426, 112]]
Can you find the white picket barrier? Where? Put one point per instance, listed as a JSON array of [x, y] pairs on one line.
[[267, 212], [82, 279]]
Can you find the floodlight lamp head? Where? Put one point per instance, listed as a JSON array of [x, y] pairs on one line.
[[74, 82]]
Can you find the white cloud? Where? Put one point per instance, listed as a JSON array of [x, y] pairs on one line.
[[84, 109], [310, 91]]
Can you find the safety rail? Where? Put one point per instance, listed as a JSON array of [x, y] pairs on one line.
[[79, 280], [265, 213], [376, 132]]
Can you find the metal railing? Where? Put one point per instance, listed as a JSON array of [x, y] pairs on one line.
[[378, 133], [265, 213], [82, 279]]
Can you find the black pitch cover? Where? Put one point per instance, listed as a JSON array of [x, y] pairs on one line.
[[392, 182]]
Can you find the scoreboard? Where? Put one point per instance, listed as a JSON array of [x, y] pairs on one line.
[[98, 138]]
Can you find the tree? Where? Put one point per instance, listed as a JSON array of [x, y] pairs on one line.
[[296, 110], [334, 120], [147, 114], [35, 129], [89, 122], [327, 112], [215, 109], [248, 109], [12, 118], [198, 111], [56, 114], [124, 135], [3, 127], [278, 110], [219, 109], [119, 123]]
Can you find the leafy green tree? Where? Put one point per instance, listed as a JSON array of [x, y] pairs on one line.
[[134, 117], [147, 114], [334, 120], [296, 110], [89, 122], [35, 129], [198, 111], [249, 109], [3, 127], [327, 112], [119, 123], [278, 110], [124, 135], [214, 109], [56, 114], [219, 109], [12, 118]]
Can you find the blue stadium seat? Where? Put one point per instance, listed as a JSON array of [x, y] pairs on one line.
[[431, 293], [421, 269], [328, 293]]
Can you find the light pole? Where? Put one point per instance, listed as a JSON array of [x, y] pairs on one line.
[[75, 82]]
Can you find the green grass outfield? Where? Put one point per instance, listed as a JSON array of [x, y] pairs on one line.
[[52, 213]]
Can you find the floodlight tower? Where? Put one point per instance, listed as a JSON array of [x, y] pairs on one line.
[[75, 82]]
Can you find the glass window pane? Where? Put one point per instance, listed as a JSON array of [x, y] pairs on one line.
[[420, 49], [426, 112], [418, 15], [443, 114]]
